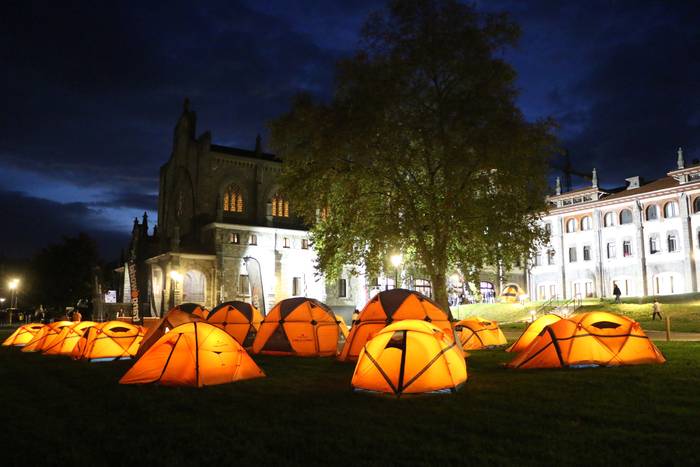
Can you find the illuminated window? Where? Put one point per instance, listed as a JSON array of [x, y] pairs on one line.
[[572, 254], [296, 286], [672, 243], [652, 213], [653, 244], [550, 257], [625, 216], [671, 209], [571, 225], [234, 238], [233, 199], [280, 206], [253, 239], [626, 248], [586, 253], [304, 244], [609, 219], [342, 288], [586, 223], [285, 242], [611, 250]]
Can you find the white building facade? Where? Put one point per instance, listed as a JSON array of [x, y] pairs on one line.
[[644, 238]]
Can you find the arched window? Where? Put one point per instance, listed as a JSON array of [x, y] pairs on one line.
[[696, 204], [586, 223], [571, 225], [280, 206], [233, 199], [625, 216], [671, 209], [609, 219], [652, 213], [194, 284]]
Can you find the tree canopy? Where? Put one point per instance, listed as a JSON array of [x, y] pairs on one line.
[[422, 148]]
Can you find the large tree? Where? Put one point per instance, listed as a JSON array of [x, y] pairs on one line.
[[422, 148]]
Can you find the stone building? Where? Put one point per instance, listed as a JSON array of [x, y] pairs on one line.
[[642, 237], [225, 231]]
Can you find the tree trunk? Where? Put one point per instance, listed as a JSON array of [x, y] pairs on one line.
[[440, 289]]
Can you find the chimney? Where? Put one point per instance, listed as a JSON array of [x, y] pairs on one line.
[[594, 178], [680, 161], [557, 188]]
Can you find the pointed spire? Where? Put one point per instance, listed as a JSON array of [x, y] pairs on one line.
[[594, 178], [258, 144], [558, 186], [144, 223], [680, 161]]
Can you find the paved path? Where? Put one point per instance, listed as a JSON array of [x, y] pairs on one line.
[[512, 336]]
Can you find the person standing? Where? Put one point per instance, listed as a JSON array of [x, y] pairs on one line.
[[616, 292], [656, 310]]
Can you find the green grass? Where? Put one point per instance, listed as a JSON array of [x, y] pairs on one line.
[[62, 412]]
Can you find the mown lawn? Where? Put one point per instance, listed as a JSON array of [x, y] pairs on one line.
[[57, 411]]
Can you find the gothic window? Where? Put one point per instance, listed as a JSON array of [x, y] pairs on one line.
[[571, 225], [280, 206], [609, 219], [671, 209], [652, 213], [625, 216], [233, 199], [586, 223]]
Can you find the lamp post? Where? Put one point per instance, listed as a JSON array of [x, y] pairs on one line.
[[175, 278], [13, 285], [396, 261]]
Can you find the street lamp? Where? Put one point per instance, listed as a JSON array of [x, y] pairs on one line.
[[13, 284], [396, 261]]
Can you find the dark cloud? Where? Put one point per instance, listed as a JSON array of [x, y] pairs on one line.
[[137, 201], [31, 223]]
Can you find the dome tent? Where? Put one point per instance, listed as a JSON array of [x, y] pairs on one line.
[[193, 354], [45, 336], [64, 343], [532, 331], [389, 306], [181, 314], [241, 320], [23, 335], [589, 339], [410, 357], [478, 333], [298, 326], [113, 340]]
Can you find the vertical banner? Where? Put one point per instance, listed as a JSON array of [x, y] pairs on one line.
[[257, 295], [134, 289]]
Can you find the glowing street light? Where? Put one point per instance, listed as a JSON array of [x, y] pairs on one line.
[[176, 276], [396, 261]]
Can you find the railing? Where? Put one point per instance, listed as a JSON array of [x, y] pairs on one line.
[[554, 305]]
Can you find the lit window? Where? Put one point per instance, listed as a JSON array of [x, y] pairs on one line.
[[609, 219], [586, 253], [342, 288], [296, 286], [234, 238], [672, 243], [253, 239], [285, 242], [571, 225], [280, 206], [627, 248], [671, 209], [625, 216], [586, 223], [548, 228], [233, 199], [550, 257], [652, 213], [653, 244], [304, 244], [572, 254]]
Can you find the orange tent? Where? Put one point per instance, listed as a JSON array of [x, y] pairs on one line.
[[343, 327], [64, 343], [23, 335], [193, 354], [388, 306], [532, 331], [241, 320], [589, 339], [478, 333], [298, 326], [113, 340], [409, 357], [181, 314], [43, 339]]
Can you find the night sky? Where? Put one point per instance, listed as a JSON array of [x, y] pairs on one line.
[[92, 91]]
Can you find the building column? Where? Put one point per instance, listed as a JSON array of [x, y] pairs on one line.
[[639, 224], [598, 226], [563, 257], [687, 239]]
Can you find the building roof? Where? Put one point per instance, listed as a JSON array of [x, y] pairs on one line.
[[656, 185], [252, 154]]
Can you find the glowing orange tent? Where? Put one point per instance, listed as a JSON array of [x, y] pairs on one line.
[[532, 331], [343, 327], [241, 320], [43, 339], [193, 354], [589, 339], [298, 326], [389, 306], [181, 314], [68, 338], [478, 333], [23, 335], [113, 340], [409, 357]]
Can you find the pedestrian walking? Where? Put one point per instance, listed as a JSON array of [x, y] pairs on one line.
[[616, 292], [656, 310]]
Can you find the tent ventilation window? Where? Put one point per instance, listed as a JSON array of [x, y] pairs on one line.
[[606, 325]]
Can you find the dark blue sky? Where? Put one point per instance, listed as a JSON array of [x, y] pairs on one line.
[[93, 89]]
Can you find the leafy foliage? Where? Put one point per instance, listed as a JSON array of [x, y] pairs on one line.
[[422, 149]]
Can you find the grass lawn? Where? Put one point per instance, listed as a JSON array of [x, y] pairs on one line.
[[62, 412]]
